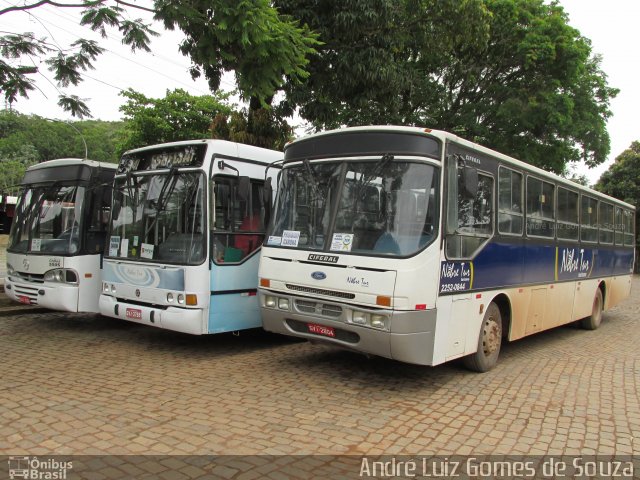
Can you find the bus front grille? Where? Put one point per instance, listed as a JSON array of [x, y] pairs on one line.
[[317, 308], [320, 291], [30, 277], [30, 292]]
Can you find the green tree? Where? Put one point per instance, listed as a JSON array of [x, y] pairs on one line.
[[181, 116], [510, 74], [622, 181], [177, 116], [13, 166], [53, 139], [248, 37]]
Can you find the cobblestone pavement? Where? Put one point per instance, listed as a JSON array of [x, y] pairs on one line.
[[74, 384]]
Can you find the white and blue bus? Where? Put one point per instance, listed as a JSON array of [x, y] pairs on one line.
[[58, 235], [187, 224], [417, 245]]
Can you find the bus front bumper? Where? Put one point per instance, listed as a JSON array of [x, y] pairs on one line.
[[186, 320], [410, 339], [59, 296]]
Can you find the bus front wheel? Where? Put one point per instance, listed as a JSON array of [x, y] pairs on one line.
[[593, 321], [489, 342]]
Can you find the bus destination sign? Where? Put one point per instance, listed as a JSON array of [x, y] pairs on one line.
[[178, 156]]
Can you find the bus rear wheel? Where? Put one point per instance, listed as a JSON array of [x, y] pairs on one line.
[[489, 342], [593, 321]]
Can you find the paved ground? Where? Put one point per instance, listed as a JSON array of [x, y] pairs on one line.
[[74, 384]]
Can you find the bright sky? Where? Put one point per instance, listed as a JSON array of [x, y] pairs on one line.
[[611, 26]]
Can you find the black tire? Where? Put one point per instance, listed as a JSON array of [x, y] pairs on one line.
[[489, 342], [594, 320]]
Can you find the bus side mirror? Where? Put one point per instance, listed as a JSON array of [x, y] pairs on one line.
[[469, 178], [244, 188]]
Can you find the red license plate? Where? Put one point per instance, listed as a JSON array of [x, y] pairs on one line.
[[133, 313], [321, 330], [24, 299]]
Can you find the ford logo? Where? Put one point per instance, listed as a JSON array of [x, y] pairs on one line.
[[319, 275]]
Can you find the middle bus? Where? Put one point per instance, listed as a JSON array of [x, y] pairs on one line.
[[187, 221]]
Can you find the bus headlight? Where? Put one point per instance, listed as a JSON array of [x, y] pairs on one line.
[[270, 301], [169, 297], [360, 318], [105, 288], [283, 303], [113, 288], [61, 275], [10, 269], [181, 299], [377, 321]]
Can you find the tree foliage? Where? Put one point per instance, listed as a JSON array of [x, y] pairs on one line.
[[181, 116], [262, 127], [248, 37], [622, 179], [68, 64], [510, 74], [51, 139], [12, 168], [177, 116]]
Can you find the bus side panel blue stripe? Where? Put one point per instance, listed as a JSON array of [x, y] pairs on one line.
[[503, 264]]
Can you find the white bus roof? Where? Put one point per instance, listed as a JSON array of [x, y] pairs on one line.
[[72, 161], [224, 147]]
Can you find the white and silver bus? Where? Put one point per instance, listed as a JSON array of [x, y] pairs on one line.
[[58, 235], [417, 245], [187, 223]]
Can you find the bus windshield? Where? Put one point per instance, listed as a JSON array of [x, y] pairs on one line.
[[48, 220], [380, 207], [159, 217]]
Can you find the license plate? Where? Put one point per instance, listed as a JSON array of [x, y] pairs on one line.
[[24, 299], [321, 330], [133, 313]]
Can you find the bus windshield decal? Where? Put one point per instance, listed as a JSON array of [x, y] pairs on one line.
[[341, 242], [274, 240], [114, 245], [290, 238]]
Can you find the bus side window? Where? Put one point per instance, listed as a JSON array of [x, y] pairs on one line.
[[238, 223], [568, 221], [469, 218], [509, 201], [619, 226], [589, 219], [605, 219], [540, 208], [629, 237]]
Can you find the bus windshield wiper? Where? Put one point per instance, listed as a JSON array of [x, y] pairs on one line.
[[161, 202]]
